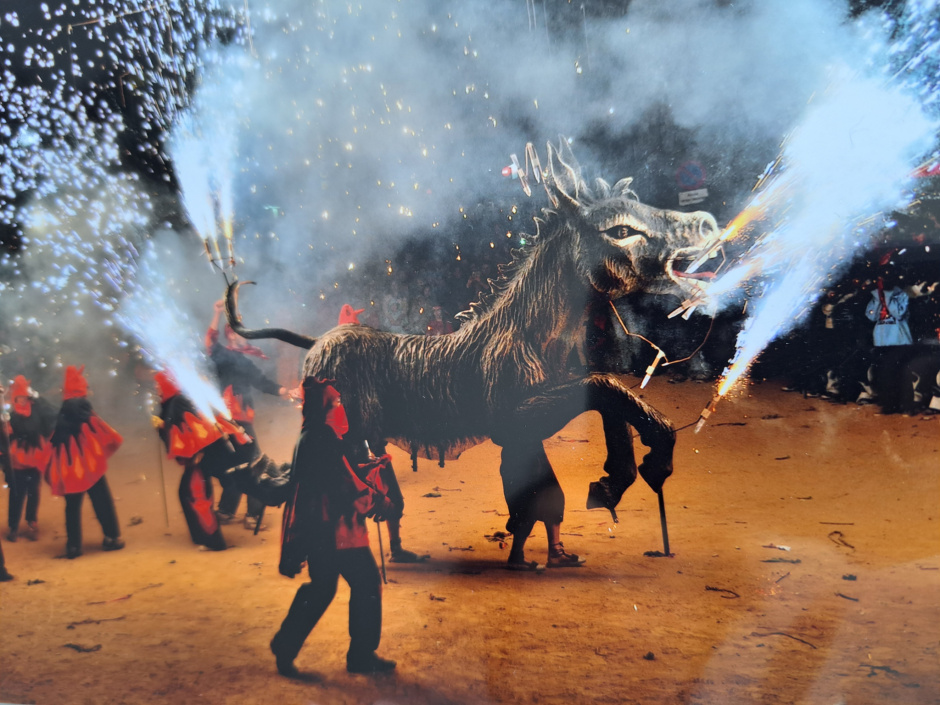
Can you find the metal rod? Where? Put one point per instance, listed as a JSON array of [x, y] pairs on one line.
[[166, 509], [378, 527], [662, 520]]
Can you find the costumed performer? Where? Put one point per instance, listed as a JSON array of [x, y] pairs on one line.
[[237, 375], [324, 526], [31, 423], [358, 453], [204, 448], [81, 445]]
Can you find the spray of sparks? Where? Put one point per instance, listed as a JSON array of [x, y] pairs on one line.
[[69, 75], [167, 337], [842, 170], [312, 135]]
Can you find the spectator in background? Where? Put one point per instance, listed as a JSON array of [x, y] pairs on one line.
[[395, 309], [437, 325], [888, 310]]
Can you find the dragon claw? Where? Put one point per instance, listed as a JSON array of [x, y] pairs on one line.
[[602, 494]]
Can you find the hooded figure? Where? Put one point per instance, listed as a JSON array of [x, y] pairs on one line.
[[81, 444], [204, 448], [31, 423], [237, 376], [324, 527]]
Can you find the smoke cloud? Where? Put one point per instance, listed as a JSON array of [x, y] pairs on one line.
[[335, 132]]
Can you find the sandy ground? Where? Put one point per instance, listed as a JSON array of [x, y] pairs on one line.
[[849, 614]]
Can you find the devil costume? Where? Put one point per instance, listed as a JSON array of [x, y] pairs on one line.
[[81, 445], [237, 375], [324, 526], [204, 448], [32, 421]]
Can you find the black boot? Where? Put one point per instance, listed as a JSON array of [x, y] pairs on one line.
[[285, 664], [368, 664], [403, 555]]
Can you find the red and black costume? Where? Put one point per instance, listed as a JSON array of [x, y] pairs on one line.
[[324, 526], [237, 376], [204, 448], [31, 424], [81, 445]]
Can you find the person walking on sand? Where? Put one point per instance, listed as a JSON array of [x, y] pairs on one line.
[[324, 527], [81, 445]]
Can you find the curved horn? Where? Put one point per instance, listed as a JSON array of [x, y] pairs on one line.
[[235, 321], [566, 174]]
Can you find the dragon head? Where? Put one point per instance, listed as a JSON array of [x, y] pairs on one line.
[[623, 245]]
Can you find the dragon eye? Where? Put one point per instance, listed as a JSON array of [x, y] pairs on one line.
[[621, 233]]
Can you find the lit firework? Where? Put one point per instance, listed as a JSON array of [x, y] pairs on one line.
[[167, 338], [848, 161]]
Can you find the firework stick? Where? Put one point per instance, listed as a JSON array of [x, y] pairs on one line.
[[378, 528], [166, 508], [662, 520]]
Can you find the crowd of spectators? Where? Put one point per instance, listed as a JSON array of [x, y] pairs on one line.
[[870, 340]]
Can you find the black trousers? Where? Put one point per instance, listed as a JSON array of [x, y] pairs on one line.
[[358, 568], [24, 489], [231, 494], [531, 489], [101, 502]]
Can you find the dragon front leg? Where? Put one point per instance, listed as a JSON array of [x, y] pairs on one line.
[[620, 409]]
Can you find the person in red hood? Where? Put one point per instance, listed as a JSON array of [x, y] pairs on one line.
[[81, 445], [205, 448], [324, 527], [237, 376], [32, 420], [356, 454]]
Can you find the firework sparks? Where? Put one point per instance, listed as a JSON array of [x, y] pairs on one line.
[[166, 336], [839, 170]]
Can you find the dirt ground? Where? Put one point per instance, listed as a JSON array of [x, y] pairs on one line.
[[806, 541]]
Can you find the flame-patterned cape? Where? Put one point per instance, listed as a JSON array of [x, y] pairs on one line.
[[80, 447], [29, 430], [185, 432]]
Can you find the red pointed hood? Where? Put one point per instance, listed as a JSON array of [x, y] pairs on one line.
[[20, 387], [348, 314], [166, 385], [75, 383]]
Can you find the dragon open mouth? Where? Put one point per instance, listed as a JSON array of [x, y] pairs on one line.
[[704, 269]]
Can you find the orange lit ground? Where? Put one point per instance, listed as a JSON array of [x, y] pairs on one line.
[[851, 493]]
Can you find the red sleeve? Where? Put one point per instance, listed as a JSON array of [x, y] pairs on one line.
[[212, 337]]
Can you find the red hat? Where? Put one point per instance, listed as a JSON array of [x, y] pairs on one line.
[[75, 383], [20, 387], [348, 314], [319, 397], [166, 385]]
